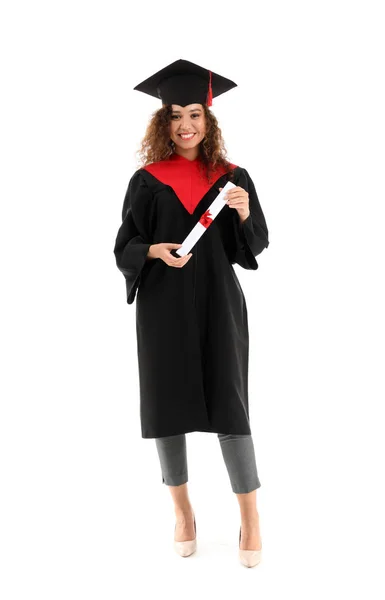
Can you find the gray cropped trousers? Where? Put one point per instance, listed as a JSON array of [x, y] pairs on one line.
[[238, 454]]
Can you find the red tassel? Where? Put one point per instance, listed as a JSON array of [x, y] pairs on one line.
[[209, 100]]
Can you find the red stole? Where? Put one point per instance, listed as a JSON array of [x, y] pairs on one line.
[[185, 178]]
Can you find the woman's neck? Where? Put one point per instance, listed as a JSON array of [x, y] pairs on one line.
[[190, 153]]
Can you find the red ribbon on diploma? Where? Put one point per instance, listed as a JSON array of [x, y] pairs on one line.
[[206, 219]]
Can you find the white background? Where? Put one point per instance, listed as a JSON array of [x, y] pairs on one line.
[[83, 511]]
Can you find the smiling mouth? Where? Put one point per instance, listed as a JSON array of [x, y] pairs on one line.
[[187, 137]]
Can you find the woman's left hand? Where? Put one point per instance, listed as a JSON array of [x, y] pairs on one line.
[[238, 198]]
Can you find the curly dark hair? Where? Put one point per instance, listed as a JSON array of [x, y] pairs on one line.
[[157, 144]]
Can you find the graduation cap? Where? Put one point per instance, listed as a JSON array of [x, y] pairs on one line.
[[183, 82]]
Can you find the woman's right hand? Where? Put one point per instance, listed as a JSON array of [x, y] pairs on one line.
[[162, 251]]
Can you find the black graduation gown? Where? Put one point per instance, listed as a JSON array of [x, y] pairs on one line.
[[191, 322]]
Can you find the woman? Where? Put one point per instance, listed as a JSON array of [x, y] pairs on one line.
[[191, 314]]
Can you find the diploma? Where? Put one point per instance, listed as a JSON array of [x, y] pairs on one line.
[[205, 221]]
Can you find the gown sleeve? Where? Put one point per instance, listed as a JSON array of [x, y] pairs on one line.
[[243, 241], [133, 239]]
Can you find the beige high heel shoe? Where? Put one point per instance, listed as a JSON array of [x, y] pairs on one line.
[[189, 546], [249, 558]]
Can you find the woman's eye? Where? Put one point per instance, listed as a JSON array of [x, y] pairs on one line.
[[177, 116]]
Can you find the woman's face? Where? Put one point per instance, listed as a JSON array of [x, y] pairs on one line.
[[188, 119]]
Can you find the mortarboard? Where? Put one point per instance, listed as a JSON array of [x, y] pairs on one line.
[[183, 82]]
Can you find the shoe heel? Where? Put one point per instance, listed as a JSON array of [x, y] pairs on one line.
[[189, 546], [249, 558]]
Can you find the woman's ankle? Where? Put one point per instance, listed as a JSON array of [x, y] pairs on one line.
[[184, 512]]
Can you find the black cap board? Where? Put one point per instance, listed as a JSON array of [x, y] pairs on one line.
[[183, 82]]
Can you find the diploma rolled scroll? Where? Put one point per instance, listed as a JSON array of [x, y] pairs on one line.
[[205, 221]]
